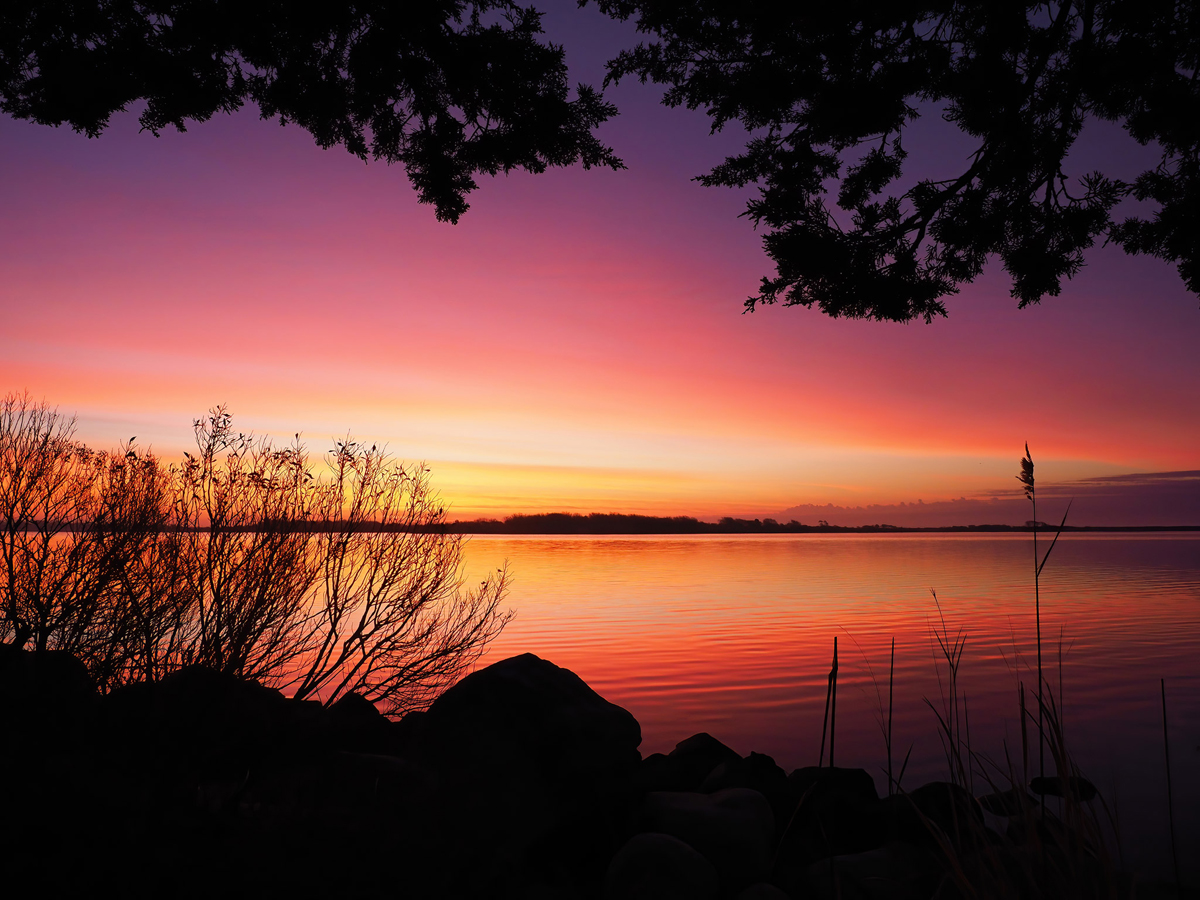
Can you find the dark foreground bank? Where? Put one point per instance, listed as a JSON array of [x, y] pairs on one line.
[[520, 782]]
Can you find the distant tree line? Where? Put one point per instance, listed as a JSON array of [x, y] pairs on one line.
[[624, 523]]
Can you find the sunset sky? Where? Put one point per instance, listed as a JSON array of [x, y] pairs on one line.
[[576, 343]]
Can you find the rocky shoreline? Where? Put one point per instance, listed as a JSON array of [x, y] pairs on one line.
[[520, 781]]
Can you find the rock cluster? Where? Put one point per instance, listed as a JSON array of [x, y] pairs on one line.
[[520, 781]]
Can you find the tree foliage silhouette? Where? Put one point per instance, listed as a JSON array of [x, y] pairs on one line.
[[447, 88], [827, 91]]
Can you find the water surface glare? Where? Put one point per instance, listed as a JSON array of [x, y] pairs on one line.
[[733, 635]]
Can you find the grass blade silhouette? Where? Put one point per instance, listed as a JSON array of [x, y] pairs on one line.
[[1162, 684]]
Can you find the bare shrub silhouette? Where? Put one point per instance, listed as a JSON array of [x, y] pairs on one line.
[[71, 521], [46, 480], [241, 558], [244, 510], [392, 621]]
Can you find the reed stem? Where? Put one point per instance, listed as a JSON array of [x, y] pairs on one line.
[[1037, 608], [1170, 800], [1024, 735], [829, 723], [833, 708], [891, 684]]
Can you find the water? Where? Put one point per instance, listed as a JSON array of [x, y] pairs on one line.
[[733, 635]]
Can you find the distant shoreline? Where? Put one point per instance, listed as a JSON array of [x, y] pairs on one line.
[[602, 524], [618, 524]]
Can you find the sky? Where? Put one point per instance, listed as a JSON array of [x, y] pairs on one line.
[[577, 342]]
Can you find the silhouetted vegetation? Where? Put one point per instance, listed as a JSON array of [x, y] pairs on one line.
[[455, 89], [187, 594], [449, 89], [241, 559], [829, 93]]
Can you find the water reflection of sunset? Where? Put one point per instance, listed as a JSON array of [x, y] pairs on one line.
[[734, 636]]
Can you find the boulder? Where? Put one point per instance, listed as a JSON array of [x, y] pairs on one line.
[[217, 722], [1010, 802], [655, 866], [529, 709], [759, 773], [733, 829], [1074, 786], [47, 700], [951, 808], [815, 782], [835, 814], [382, 781], [685, 767], [892, 872], [762, 891], [541, 770], [932, 815], [357, 725], [693, 758]]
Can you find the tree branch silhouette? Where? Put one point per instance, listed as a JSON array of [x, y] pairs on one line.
[[828, 93], [448, 89]]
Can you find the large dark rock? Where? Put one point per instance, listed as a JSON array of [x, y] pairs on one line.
[[834, 814], [936, 817], [758, 772], [47, 700], [655, 866], [1010, 802], [686, 767], [815, 782], [695, 757], [209, 722], [1076, 787], [894, 871], [540, 768], [762, 891], [358, 726], [527, 707], [952, 809], [733, 829]]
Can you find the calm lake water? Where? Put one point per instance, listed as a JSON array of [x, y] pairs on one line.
[[733, 635]]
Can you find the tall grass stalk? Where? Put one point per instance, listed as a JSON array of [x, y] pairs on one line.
[[829, 725], [885, 717], [891, 685], [1024, 736], [1026, 477], [950, 727], [1043, 854], [1162, 684]]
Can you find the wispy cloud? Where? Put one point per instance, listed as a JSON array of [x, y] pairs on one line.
[[1146, 498]]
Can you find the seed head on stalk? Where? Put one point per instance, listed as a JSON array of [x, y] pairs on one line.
[[1026, 476], [1026, 479]]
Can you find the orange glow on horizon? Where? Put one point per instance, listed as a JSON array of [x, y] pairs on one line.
[[576, 343]]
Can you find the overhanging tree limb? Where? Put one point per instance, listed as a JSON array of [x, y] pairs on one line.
[[449, 89], [813, 82]]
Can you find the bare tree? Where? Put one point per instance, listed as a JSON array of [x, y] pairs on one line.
[[120, 635], [244, 510], [239, 559], [392, 619], [72, 520], [64, 537]]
